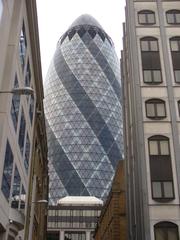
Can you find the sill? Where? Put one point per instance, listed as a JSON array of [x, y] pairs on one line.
[[163, 200]]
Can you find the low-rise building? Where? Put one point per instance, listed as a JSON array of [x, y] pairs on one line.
[[74, 218]]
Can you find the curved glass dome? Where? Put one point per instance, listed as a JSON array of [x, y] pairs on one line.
[[83, 112]]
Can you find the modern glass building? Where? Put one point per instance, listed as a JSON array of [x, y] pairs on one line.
[[83, 112]]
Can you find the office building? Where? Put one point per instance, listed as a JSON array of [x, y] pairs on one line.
[[20, 68], [83, 112], [74, 218], [112, 223], [151, 99]]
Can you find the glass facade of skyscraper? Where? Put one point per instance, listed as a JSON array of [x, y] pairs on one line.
[[83, 112]]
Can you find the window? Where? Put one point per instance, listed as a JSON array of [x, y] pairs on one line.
[[175, 53], [146, 17], [151, 60], [28, 75], [27, 153], [7, 171], [31, 108], [22, 46], [160, 168], [16, 189], [178, 107], [22, 132], [166, 231], [15, 105], [173, 16], [1, 8], [155, 108]]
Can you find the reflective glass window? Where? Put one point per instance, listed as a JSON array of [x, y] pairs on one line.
[[28, 75], [22, 46], [15, 105], [7, 171], [22, 132], [27, 153], [31, 108], [16, 189]]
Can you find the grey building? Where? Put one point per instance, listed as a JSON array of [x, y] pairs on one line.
[[151, 85], [83, 112]]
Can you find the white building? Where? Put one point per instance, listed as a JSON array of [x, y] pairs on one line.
[[151, 82], [19, 67]]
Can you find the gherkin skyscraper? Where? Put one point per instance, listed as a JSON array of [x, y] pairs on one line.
[[83, 112]]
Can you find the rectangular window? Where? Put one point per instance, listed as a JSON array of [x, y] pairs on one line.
[[153, 145], [152, 76], [1, 8], [31, 108], [28, 75], [22, 46], [177, 76], [7, 171], [22, 132], [162, 190], [15, 105], [16, 189], [27, 153]]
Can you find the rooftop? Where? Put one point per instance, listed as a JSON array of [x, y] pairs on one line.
[[86, 19], [80, 200]]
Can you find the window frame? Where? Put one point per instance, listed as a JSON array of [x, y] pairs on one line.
[[155, 102], [166, 225], [160, 156], [150, 72], [178, 105], [173, 12], [146, 13], [174, 53]]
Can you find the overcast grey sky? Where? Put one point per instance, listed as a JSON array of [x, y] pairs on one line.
[[55, 16]]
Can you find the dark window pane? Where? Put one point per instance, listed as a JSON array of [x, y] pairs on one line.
[[7, 171], [22, 132], [22, 46], [28, 75], [31, 108], [166, 231], [16, 189], [27, 153], [15, 105]]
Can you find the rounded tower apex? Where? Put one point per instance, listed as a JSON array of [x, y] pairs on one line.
[[85, 19]]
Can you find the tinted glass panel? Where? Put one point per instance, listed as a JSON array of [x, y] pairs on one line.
[[22, 132], [15, 105], [16, 189], [7, 171]]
